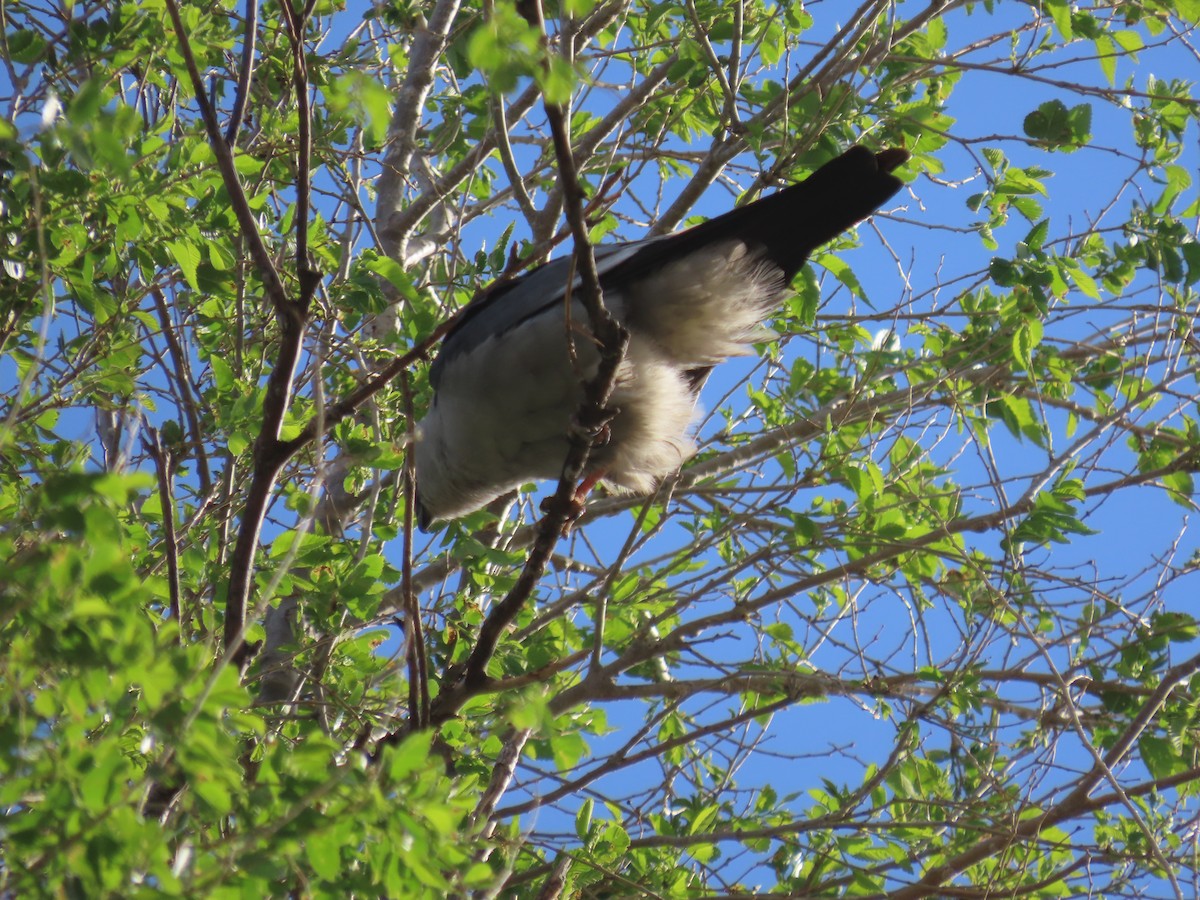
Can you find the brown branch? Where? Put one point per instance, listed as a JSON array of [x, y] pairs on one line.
[[162, 465], [611, 340], [350, 404], [418, 669], [269, 455], [183, 381], [309, 279], [245, 73], [229, 176], [556, 881]]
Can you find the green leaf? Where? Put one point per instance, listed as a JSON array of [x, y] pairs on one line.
[[1106, 55], [1084, 282], [411, 755], [1160, 757], [215, 794], [323, 853], [366, 100], [702, 821], [100, 785], [1026, 337], [86, 104], [25, 46], [223, 376], [1191, 255], [187, 256], [1130, 41], [1057, 127], [1036, 238], [1060, 12], [395, 274], [843, 273], [1182, 488], [583, 820], [557, 80]]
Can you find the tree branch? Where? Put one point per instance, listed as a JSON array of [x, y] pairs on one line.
[[427, 49], [611, 340]]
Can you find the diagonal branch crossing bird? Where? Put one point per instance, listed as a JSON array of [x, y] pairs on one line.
[[508, 377]]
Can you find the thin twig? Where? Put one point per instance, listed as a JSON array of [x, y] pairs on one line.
[[269, 455], [229, 176], [245, 73], [309, 279], [418, 671], [183, 381], [162, 465], [611, 340]]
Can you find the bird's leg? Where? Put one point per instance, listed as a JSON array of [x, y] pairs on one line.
[[578, 501], [585, 488]]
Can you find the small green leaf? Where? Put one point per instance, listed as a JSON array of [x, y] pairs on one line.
[[1036, 239], [1027, 336], [324, 855], [222, 374], [843, 273], [1191, 255], [578, 8], [25, 46], [238, 442], [583, 820], [1160, 756], [411, 755], [1060, 12], [557, 80], [1084, 282], [394, 273], [87, 102], [188, 258], [702, 821], [1057, 127], [213, 793], [1106, 55]]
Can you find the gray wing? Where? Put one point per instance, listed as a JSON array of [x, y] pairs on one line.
[[508, 304], [782, 229]]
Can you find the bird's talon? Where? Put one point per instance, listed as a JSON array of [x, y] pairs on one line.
[[594, 426], [574, 509]]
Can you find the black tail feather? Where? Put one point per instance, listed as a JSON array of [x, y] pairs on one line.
[[791, 223]]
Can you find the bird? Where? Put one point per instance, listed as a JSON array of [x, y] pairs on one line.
[[508, 377]]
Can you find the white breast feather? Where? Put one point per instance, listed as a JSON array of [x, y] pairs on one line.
[[709, 305]]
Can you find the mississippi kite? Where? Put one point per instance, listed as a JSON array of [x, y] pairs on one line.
[[505, 383]]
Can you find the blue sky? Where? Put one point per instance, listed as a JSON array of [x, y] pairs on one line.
[[989, 110]]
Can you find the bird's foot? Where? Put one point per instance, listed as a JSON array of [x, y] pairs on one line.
[[574, 509], [576, 504], [593, 425]]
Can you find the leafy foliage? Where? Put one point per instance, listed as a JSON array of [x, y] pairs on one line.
[[918, 618]]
